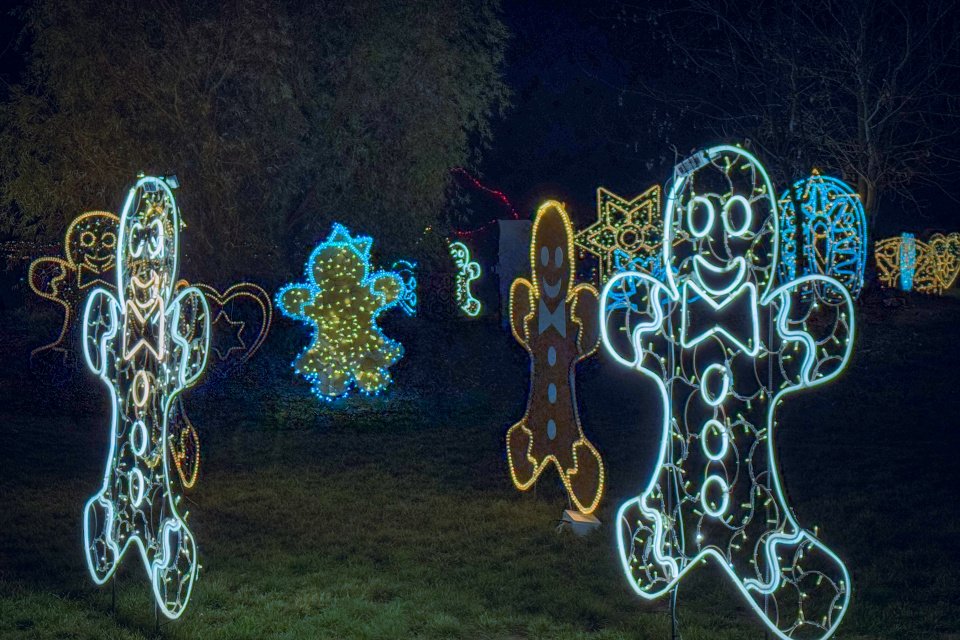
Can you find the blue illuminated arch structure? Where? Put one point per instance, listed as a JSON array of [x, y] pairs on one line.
[[832, 238]]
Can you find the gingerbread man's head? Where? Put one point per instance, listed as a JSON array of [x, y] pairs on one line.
[[723, 200], [147, 248], [91, 242], [551, 252]]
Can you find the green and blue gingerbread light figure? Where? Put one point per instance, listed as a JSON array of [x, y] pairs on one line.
[[341, 300], [467, 271], [147, 343], [724, 346]]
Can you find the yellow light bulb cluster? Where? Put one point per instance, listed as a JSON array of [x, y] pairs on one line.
[[341, 300], [627, 233], [556, 322], [928, 267]]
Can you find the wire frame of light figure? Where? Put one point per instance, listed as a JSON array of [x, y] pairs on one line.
[[833, 231], [928, 267], [724, 347], [231, 311], [146, 344], [626, 233], [408, 275], [467, 271], [341, 300], [90, 247]]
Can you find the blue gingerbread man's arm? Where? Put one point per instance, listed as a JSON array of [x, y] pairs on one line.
[[388, 286], [291, 298], [632, 303], [190, 331], [815, 319], [101, 320]]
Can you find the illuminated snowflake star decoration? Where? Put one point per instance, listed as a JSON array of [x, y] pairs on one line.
[[832, 234], [627, 233], [146, 343], [724, 346], [467, 272], [341, 300]]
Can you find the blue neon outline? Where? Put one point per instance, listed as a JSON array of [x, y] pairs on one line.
[[115, 309], [656, 325], [360, 245]]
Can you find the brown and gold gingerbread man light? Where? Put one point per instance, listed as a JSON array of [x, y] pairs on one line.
[[558, 324]]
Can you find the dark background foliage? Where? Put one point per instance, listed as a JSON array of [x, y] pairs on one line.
[[278, 119]]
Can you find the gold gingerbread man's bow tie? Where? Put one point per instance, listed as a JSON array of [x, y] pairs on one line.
[[143, 322]]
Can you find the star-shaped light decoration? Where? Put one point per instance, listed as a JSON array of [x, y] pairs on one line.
[[628, 227], [231, 338]]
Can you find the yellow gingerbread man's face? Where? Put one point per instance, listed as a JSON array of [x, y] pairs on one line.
[[551, 264], [91, 245]]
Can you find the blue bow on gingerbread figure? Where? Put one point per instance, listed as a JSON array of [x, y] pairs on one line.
[[724, 344]]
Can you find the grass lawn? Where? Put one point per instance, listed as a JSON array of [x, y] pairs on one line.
[[394, 517]]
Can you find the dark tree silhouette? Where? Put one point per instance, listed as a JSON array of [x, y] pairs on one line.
[[278, 118], [869, 89]]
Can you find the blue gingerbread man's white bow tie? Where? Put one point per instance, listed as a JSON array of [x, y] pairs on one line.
[[732, 317]]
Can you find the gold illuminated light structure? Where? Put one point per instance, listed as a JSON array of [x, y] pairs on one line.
[[90, 252], [723, 345], [242, 313], [627, 233], [341, 299], [147, 343], [556, 321], [243, 310], [928, 267]]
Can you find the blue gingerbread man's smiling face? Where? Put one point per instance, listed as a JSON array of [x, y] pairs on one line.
[[728, 213]]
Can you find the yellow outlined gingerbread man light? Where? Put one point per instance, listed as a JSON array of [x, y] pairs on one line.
[[89, 248], [558, 324]]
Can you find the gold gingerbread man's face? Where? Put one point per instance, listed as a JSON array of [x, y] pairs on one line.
[[550, 258], [91, 244], [148, 257]]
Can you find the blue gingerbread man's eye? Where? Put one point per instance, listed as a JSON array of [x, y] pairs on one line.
[[544, 256], [156, 239], [135, 243], [558, 256], [700, 216], [737, 216]]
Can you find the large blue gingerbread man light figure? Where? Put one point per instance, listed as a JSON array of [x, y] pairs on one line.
[[724, 347], [147, 344]]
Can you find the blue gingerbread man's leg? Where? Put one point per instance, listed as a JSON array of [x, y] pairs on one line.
[[174, 568], [101, 548], [803, 589]]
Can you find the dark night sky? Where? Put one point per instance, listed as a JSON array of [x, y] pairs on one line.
[[568, 131]]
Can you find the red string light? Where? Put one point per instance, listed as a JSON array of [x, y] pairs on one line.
[[499, 194]]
